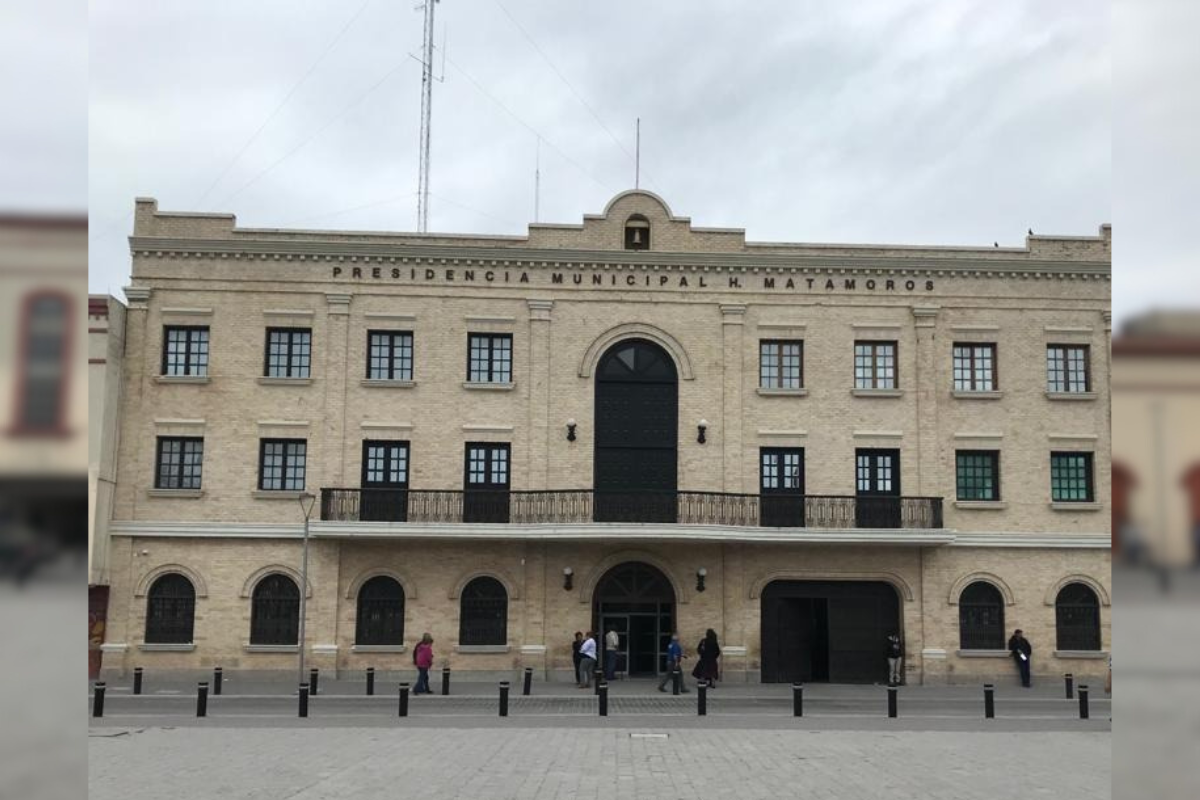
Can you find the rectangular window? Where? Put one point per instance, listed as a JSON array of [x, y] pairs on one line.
[[978, 474], [781, 364], [1071, 478], [974, 367], [1068, 368], [281, 464], [489, 358], [874, 365], [179, 462], [289, 352], [390, 355], [185, 350]]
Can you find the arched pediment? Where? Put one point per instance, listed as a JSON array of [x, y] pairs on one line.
[[510, 586], [410, 588], [271, 569], [1086, 580], [985, 577], [143, 586], [636, 330], [587, 587], [901, 585]]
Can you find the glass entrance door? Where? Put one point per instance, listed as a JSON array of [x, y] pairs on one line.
[[877, 482]]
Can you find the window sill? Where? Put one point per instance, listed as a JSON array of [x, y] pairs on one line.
[[378, 648], [981, 505], [479, 386], [481, 648], [181, 379], [1070, 395], [271, 648], [263, 381], [1061, 506], [275, 494], [384, 383], [179, 494], [983, 654], [147, 647], [961, 394], [782, 392], [877, 392], [1093, 655]]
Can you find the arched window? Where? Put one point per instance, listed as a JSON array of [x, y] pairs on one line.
[[981, 617], [275, 611], [380, 618], [484, 613], [1077, 618], [170, 610], [43, 362], [637, 233]]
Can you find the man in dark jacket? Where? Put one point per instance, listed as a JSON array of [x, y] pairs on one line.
[[1021, 651], [895, 660]]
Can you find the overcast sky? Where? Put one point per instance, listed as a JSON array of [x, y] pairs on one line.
[[955, 122]]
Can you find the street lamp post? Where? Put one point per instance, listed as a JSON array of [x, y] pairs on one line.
[[307, 500]]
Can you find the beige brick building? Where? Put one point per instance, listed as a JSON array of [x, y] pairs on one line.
[[630, 423]]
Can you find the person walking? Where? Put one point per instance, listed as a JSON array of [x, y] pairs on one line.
[[587, 660], [895, 659], [707, 653], [611, 643], [675, 659], [575, 657], [1021, 651], [423, 660]]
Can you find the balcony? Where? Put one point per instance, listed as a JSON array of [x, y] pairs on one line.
[[836, 512]]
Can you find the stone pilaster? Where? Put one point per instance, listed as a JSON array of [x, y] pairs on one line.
[[539, 393], [733, 324], [926, 386], [137, 331], [335, 371]]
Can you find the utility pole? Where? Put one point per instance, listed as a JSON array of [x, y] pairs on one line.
[[637, 156], [426, 118]]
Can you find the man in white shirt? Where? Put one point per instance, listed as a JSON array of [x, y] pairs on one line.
[[612, 643], [587, 660]]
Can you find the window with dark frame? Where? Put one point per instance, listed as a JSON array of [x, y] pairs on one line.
[[275, 611], [977, 474], [282, 464], [380, 614], [390, 355], [1068, 368], [1077, 618], [179, 462], [781, 364], [981, 617], [170, 610], [974, 367], [289, 353], [874, 365], [384, 496], [483, 618], [1071, 478], [185, 351], [489, 358], [781, 469], [42, 393]]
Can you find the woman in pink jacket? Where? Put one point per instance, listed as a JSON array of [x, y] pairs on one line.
[[423, 659]]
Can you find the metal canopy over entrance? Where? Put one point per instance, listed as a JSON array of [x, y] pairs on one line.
[[832, 631], [637, 601]]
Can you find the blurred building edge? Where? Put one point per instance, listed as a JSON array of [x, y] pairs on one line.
[[1156, 438]]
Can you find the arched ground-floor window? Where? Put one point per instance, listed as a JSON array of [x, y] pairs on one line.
[[981, 617], [380, 617], [170, 610], [483, 615], [1077, 618], [275, 611]]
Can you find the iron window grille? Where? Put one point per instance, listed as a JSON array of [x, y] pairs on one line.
[[1077, 618], [170, 610], [1068, 368], [978, 474], [282, 464], [483, 618], [981, 617], [185, 350], [781, 364], [1071, 478], [489, 358], [390, 355], [179, 462], [874, 365], [275, 611], [44, 367], [974, 367], [380, 616], [289, 353]]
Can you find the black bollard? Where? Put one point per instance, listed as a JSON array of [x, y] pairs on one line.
[[527, 688], [989, 701], [676, 680], [303, 700], [137, 680], [313, 675], [98, 700], [597, 677], [1069, 680], [404, 699], [702, 699], [797, 699], [604, 699], [218, 674], [1083, 701], [202, 700], [445, 680], [892, 702], [504, 698], [370, 681]]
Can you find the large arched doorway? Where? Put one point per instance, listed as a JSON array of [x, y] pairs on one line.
[[638, 602], [637, 434]]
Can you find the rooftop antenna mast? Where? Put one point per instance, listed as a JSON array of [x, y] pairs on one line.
[[637, 157], [426, 117], [537, 181]]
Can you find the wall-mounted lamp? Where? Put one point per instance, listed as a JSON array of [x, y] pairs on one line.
[[571, 430], [568, 578], [701, 574], [700, 431]]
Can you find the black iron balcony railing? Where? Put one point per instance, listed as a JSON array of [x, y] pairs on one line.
[[587, 505]]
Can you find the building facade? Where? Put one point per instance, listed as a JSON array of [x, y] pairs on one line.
[[631, 423]]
